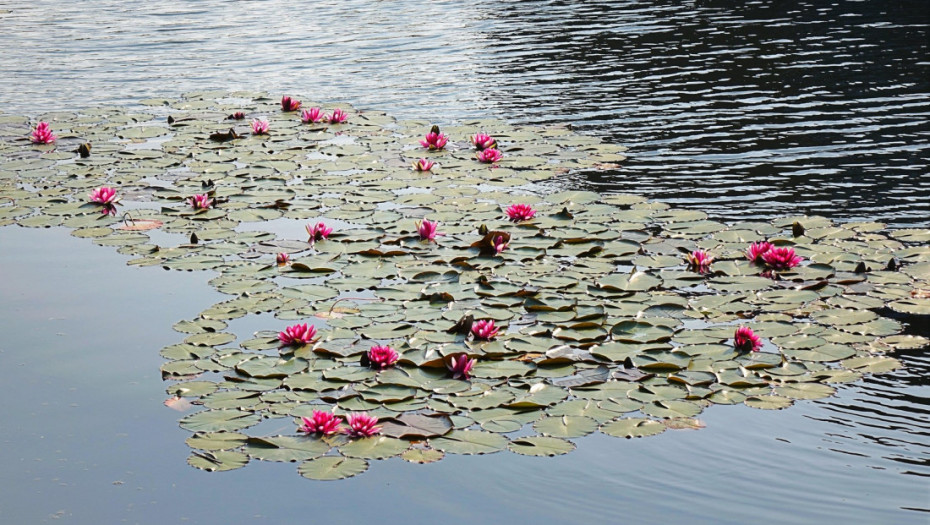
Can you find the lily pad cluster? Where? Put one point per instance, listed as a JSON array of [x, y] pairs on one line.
[[603, 327]]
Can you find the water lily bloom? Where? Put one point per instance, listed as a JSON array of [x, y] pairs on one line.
[[289, 104], [423, 165], [460, 366], [483, 142], [318, 232], [259, 127], [746, 341], [325, 423], [520, 212], [434, 141], [484, 329], [363, 425], [43, 134], [200, 202], [298, 334], [382, 356], [312, 115], [781, 258], [103, 195], [699, 261], [427, 230], [338, 116], [283, 258], [238, 115], [499, 244], [490, 155], [756, 250]]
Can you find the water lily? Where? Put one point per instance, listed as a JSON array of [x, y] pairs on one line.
[[483, 142], [382, 356], [43, 134], [312, 115], [200, 202], [520, 212], [363, 425], [745, 340], [781, 258], [423, 165], [499, 244], [325, 423], [434, 140], [289, 104], [259, 127], [298, 334], [237, 115], [318, 232], [699, 261], [283, 258], [338, 116], [489, 155], [757, 249], [484, 329], [427, 230], [460, 366], [103, 195]]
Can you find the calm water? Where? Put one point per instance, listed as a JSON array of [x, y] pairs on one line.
[[85, 438], [741, 109], [757, 108]]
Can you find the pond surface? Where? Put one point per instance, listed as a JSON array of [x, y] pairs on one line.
[[97, 446], [748, 111]]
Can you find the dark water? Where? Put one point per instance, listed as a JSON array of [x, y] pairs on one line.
[[742, 109], [85, 438]]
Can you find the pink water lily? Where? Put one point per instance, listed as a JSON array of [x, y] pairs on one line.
[[312, 115], [43, 134], [103, 195], [200, 202], [434, 141], [382, 356], [483, 142], [756, 250], [363, 425], [699, 261], [484, 329], [324, 423], [237, 116], [338, 116], [745, 340], [427, 230], [289, 104], [781, 258], [318, 232], [520, 212], [298, 334], [282, 258], [423, 165], [259, 127], [460, 365], [499, 244], [489, 155]]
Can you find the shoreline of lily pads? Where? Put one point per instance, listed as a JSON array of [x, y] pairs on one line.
[[602, 324]]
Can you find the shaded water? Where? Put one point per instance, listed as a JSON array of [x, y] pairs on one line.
[[85, 437], [747, 109], [742, 109]]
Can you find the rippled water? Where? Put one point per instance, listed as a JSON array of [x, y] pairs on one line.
[[742, 109], [750, 109]]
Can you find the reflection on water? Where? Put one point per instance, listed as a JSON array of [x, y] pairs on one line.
[[750, 109], [92, 442]]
